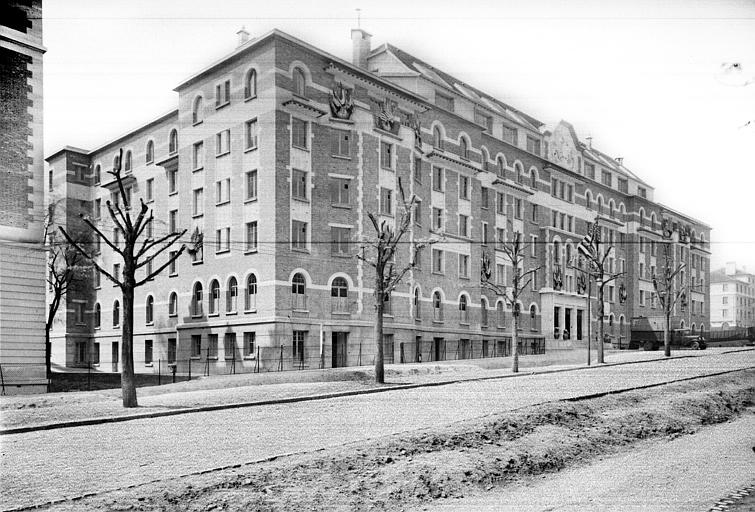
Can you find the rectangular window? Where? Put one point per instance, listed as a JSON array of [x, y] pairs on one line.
[[464, 187], [299, 235], [251, 236], [533, 145], [172, 181], [623, 185], [299, 133], [117, 271], [484, 198], [299, 184], [509, 134], [212, 346], [483, 120], [500, 236], [173, 267], [418, 169], [222, 240], [97, 213], [251, 134], [500, 205], [196, 345], [223, 143], [605, 178], [386, 201], [147, 351], [173, 221], [517, 208], [97, 278], [150, 189], [223, 191], [500, 273], [80, 309], [443, 101], [250, 339], [229, 345], [197, 159], [438, 219], [464, 266], [340, 143], [437, 261], [339, 191], [590, 171], [386, 155], [484, 234], [251, 185], [463, 225], [642, 298], [534, 212], [438, 178], [222, 93], [340, 238], [198, 202], [642, 192], [417, 212]]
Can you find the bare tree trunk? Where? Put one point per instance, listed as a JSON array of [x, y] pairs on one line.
[[601, 328], [48, 355], [667, 334], [515, 343], [128, 384], [379, 367]]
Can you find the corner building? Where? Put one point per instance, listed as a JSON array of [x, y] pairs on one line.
[[271, 162]]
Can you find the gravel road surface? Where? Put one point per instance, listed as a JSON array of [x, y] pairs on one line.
[[43, 466]]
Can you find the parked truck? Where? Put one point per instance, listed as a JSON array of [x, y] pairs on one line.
[[647, 333]]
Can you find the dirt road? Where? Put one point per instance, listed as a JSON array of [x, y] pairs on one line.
[[687, 474]]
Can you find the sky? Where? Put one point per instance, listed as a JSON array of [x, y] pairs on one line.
[[644, 78]]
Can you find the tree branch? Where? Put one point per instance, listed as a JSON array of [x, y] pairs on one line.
[[90, 258], [162, 267]]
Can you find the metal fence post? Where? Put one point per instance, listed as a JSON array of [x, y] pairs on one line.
[[89, 374], [189, 368], [257, 361], [159, 372]]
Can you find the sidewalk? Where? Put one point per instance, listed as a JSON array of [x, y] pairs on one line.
[[52, 410]]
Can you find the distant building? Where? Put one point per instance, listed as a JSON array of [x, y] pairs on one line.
[[272, 159], [22, 257], [732, 295]]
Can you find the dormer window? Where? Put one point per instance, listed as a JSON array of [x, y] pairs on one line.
[[300, 83], [533, 145]]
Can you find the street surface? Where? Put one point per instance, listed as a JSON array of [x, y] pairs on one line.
[[687, 474], [41, 466]]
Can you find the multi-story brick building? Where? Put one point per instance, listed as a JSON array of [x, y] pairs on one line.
[[22, 256], [275, 155], [732, 297]]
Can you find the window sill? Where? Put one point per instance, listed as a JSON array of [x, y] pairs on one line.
[[248, 150], [300, 147], [224, 153], [465, 324], [300, 199], [213, 314], [341, 157], [175, 192], [250, 98], [172, 153], [254, 310], [389, 169], [438, 190], [198, 262], [250, 200], [148, 365], [341, 206], [173, 275], [172, 315], [197, 123], [438, 321], [218, 106], [149, 324], [151, 200], [231, 313], [227, 201], [197, 215], [247, 358], [300, 249], [196, 358], [197, 169], [250, 251], [302, 98], [438, 273]]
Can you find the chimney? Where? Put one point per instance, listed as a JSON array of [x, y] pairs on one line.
[[360, 43], [731, 268], [620, 160], [243, 36], [589, 141]]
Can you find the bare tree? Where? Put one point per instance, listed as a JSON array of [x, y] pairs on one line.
[[382, 257], [135, 255], [668, 295], [514, 253], [597, 259]]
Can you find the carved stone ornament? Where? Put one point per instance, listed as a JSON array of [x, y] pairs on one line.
[[386, 118], [622, 293], [666, 227], [414, 124], [581, 284], [558, 279], [197, 241], [485, 271], [341, 102]]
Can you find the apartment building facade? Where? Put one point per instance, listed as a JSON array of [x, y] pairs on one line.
[[274, 157], [732, 294], [22, 255]]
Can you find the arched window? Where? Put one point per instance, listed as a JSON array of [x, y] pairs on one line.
[[300, 83], [681, 324], [483, 311], [533, 178], [463, 310], [533, 313], [231, 300], [652, 220], [127, 161], [622, 334], [197, 113], [500, 166], [214, 297], [485, 158], [149, 153], [173, 304], [116, 313], [417, 304], [463, 148], [251, 292], [610, 324], [611, 208], [149, 310], [437, 138], [556, 252], [250, 84], [600, 205], [437, 307], [97, 174], [500, 314], [588, 200], [568, 253], [298, 292], [116, 161], [519, 173], [97, 316], [339, 293], [173, 141], [196, 306]]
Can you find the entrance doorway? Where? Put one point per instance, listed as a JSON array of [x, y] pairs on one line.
[[115, 356], [339, 343], [567, 323], [439, 349]]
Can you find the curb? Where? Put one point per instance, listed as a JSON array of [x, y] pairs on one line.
[[324, 396]]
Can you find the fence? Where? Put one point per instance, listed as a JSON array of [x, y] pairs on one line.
[[739, 333], [22, 375]]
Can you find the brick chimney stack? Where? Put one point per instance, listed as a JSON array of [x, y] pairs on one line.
[[243, 36], [360, 41]]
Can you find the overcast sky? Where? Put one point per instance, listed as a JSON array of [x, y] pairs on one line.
[[642, 77]]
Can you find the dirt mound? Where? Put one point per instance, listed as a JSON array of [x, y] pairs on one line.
[[404, 471]]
